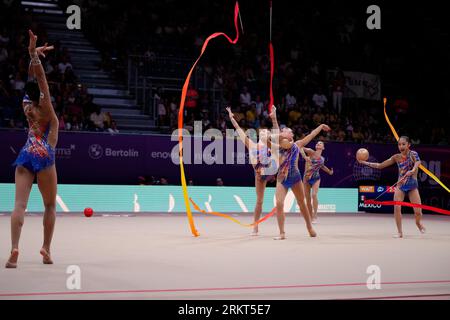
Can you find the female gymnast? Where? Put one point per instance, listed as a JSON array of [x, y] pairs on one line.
[[408, 162], [311, 180], [289, 176], [37, 157], [265, 167]]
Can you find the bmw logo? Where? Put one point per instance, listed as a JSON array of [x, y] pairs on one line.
[[95, 151]]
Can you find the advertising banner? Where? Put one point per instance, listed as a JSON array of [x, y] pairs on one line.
[[95, 158], [381, 193], [168, 199]]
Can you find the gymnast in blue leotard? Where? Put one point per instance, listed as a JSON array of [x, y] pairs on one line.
[[314, 162], [264, 163], [289, 176], [37, 154], [408, 163], [37, 157]]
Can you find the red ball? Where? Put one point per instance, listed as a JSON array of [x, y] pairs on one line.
[[88, 212]]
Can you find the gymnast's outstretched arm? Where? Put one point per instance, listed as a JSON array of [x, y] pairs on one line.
[[327, 170], [306, 153], [273, 117], [36, 70], [248, 143], [303, 142], [377, 165]]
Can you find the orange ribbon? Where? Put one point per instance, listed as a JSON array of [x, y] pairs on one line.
[[223, 215], [181, 111], [428, 172]]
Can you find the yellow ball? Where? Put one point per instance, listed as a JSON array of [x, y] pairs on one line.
[[362, 154]]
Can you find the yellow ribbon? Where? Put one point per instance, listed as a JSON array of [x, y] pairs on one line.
[[428, 172], [226, 216]]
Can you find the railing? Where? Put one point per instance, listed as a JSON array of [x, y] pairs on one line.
[[147, 74]]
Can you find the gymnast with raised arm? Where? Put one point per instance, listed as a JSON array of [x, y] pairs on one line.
[[37, 157]]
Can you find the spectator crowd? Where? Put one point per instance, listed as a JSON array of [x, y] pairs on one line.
[[73, 104], [308, 43]]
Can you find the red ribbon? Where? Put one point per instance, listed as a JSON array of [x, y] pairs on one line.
[[408, 204]]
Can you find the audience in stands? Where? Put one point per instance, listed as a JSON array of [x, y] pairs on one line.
[[304, 95], [73, 105]]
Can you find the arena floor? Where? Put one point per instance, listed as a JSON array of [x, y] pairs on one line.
[[154, 256]]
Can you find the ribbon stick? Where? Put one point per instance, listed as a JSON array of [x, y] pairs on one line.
[[422, 167], [240, 20], [180, 115], [401, 203], [407, 204], [390, 188], [271, 100], [226, 216], [270, 22]]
